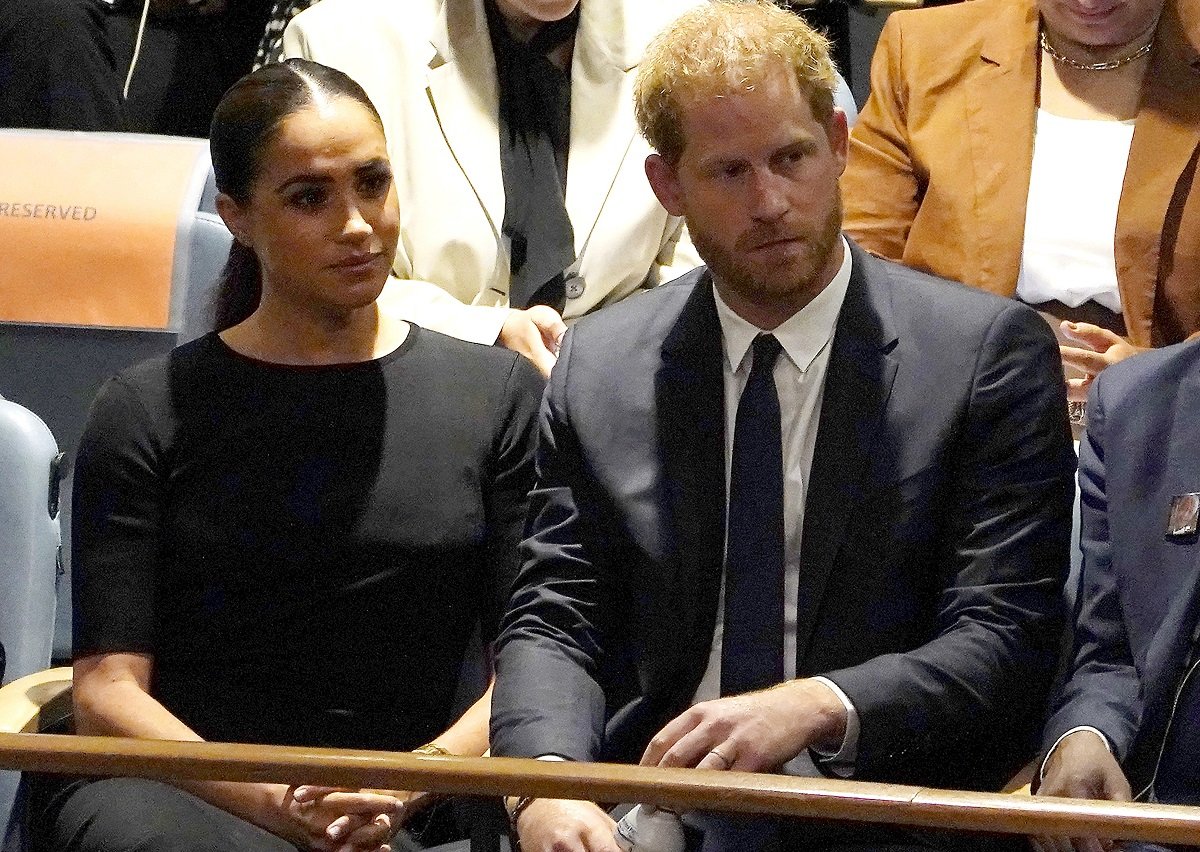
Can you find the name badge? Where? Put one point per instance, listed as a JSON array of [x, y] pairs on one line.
[[1184, 518]]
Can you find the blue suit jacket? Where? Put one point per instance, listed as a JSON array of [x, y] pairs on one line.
[[1138, 601], [934, 540]]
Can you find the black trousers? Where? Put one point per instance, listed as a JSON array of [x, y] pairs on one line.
[[56, 68], [118, 814], [135, 815]]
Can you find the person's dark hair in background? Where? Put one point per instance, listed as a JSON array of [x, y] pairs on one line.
[[56, 69], [243, 124]]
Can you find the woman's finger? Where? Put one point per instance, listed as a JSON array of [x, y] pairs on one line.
[[1092, 335], [1083, 359]]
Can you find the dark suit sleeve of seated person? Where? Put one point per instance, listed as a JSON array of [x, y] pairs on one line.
[[1103, 689], [962, 706], [554, 632]]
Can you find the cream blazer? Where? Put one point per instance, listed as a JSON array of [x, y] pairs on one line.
[[938, 175], [429, 69]]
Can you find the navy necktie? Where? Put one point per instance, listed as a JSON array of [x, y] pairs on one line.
[[752, 644]]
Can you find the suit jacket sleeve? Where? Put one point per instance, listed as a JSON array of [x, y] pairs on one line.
[[548, 697], [1103, 690], [881, 187], [979, 683]]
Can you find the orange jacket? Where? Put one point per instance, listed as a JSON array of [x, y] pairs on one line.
[[940, 158]]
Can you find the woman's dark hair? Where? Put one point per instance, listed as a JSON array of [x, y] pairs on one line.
[[244, 123]]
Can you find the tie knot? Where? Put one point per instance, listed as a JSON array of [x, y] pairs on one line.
[[766, 350]]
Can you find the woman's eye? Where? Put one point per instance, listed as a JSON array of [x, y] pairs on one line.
[[310, 197], [377, 184]]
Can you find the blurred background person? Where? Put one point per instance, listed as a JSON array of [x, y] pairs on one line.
[[287, 530], [56, 66], [1042, 149], [188, 53]]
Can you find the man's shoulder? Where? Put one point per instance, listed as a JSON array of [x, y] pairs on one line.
[[945, 308], [1136, 380], [641, 318]]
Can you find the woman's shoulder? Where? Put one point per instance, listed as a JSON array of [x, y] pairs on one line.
[[469, 367], [957, 29], [478, 359]]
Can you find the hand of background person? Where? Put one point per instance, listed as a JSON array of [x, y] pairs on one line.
[[560, 825], [754, 732], [1081, 767], [1101, 348], [534, 333], [331, 819]]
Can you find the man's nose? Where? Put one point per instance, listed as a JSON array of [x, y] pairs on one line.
[[768, 195]]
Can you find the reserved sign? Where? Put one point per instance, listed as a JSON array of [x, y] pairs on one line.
[[88, 225]]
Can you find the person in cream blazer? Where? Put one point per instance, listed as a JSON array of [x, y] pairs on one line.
[[429, 68]]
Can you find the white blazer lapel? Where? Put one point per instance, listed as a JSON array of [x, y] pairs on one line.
[[462, 91], [601, 115]]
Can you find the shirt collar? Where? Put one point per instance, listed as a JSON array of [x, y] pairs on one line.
[[802, 335]]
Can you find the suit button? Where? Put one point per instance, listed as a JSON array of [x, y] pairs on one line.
[[575, 287]]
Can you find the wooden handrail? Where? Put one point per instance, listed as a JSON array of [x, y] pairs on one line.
[[683, 789]]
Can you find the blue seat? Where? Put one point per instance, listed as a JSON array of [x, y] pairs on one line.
[[30, 559]]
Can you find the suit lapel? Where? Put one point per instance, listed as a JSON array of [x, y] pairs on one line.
[[689, 398], [601, 115], [1166, 137], [1001, 100], [462, 90], [858, 383]]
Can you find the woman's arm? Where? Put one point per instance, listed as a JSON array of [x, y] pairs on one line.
[[118, 513], [111, 695]]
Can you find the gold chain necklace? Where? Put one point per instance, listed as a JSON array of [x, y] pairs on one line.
[[1111, 64]]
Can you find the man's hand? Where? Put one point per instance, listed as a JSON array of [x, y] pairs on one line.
[[1081, 767], [534, 333], [1103, 350], [560, 825], [755, 732], [328, 819]]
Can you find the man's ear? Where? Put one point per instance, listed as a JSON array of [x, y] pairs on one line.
[[233, 216], [838, 132], [664, 180]]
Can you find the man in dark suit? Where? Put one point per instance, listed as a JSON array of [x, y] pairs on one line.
[[801, 510], [1129, 717]]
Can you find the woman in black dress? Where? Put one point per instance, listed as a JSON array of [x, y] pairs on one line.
[[286, 531]]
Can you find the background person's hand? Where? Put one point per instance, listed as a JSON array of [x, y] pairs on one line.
[[1101, 348], [1082, 767], [534, 333], [330, 819], [755, 732], [561, 825]]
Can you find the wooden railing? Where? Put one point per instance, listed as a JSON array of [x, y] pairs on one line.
[[681, 789]]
